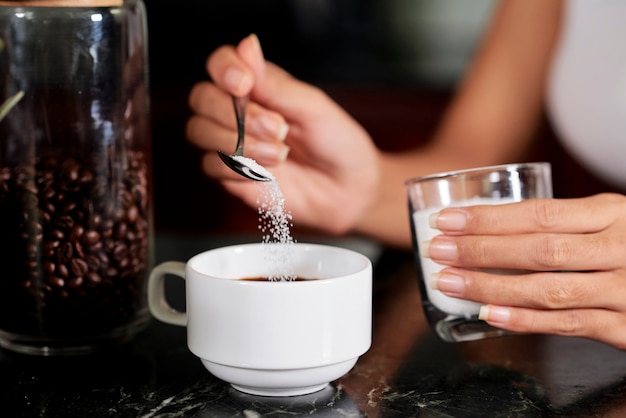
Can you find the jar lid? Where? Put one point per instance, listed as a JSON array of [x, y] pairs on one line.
[[61, 3]]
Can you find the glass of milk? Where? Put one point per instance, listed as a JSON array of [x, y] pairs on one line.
[[455, 319]]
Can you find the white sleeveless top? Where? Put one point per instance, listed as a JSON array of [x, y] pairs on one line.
[[586, 94]]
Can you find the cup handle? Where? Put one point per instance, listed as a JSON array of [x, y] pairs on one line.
[[159, 307]]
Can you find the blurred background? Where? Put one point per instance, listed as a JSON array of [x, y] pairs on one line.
[[392, 64], [393, 41]]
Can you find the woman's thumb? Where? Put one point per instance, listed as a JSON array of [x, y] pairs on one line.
[[249, 49]]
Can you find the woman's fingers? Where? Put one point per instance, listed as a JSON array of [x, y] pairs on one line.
[[207, 134], [581, 215], [215, 167], [208, 100], [564, 290], [210, 136], [574, 234], [543, 265], [538, 252], [569, 303], [598, 324]]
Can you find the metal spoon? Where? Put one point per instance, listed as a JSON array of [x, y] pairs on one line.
[[236, 161]]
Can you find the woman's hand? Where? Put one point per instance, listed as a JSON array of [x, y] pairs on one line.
[[324, 161], [574, 250]]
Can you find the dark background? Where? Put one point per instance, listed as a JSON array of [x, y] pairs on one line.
[[392, 64]]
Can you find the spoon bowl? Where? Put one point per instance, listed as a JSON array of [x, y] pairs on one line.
[[236, 161]]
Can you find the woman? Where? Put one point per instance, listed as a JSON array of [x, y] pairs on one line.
[[534, 50]]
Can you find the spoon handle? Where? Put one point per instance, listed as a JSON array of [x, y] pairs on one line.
[[240, 104]]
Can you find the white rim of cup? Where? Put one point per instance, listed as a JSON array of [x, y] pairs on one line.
[[366, 263]]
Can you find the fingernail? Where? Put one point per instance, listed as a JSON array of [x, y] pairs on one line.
[[441, 249], [449, 220], [283, 153], [450, 284], [283, 131], [271, 152], [424, 248], [432, 283], [271, 126], [257, 45], [432, 220], [236, 80], [494, 314]]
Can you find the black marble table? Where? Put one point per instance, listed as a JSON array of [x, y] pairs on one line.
[[407, 372]]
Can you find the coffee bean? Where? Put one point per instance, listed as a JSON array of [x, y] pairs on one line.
[[107, 229], [94, 221], [93, 278], [86, 177], [45, 217], [49, 207], [93, 262], [77, 232], [79, 267], [48, 193], [132, 214], [104, 258], [121, 230], [94, 248], [70, 170], [65, 251], [123, 263], [90, 237], [69, 207], [48, 247], [120, 251], [64, 221], [62, 271], [48, 267], [56, 281], [79, 249], [75, 282], [59, 196], [110, 271], [56, 235]]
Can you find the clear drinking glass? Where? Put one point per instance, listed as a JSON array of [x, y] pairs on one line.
[[75, 174], [454, 319]]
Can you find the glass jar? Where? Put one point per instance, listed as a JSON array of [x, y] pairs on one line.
[[75, 174]]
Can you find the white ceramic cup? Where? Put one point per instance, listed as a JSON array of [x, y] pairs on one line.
[[272, 338]]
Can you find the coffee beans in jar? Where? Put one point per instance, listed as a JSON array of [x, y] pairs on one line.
[[75, 246]]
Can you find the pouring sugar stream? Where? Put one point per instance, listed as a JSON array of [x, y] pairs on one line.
[[274, 222]]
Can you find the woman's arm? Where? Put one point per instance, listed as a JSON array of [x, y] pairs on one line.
[[492, 118]]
